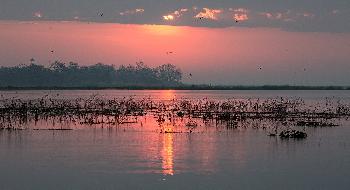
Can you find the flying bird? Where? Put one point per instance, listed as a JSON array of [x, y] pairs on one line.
[[169, 52]]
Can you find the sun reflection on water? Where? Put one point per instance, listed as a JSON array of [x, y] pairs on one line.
[[168, 155], [168, 95]]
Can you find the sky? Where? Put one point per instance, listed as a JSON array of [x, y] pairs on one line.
[[232, 42]]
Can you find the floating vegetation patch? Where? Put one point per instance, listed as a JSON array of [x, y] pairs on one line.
[[293, 134]]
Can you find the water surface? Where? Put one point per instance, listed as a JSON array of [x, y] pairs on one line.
[[118, 158]]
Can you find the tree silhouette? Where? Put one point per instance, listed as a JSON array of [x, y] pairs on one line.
[[60, 74]]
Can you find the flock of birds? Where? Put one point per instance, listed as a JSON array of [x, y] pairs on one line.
[[101, 14]]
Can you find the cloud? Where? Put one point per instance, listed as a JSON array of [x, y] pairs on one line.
[[176, 14], [273, 16], [306, 15], [179, 13], [283, 16], [241, 17], [38, 14], [168, 17], [287, 16], [212, 14], [335, 11], [132, 12], [240, 14]]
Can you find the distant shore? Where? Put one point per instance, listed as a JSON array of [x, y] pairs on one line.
[[181, 87]]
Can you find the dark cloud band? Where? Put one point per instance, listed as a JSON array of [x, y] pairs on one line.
[[296, 15]]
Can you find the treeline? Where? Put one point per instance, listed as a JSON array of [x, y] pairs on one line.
[[261, 87], [60, 74]]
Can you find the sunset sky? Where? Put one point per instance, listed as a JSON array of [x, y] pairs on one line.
[[236, 42]]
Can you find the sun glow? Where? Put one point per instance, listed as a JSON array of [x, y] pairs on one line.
[[168, 95], [211, 14], [162, 29]]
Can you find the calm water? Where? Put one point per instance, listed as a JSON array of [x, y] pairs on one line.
[[115, 158]]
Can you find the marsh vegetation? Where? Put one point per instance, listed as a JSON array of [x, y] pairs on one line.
[[282, 117]]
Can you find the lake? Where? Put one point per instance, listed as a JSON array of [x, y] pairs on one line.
[[140, 156]]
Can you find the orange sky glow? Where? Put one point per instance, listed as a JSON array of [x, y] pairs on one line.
[[233, 55]]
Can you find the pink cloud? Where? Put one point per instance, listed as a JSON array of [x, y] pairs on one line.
[[168, 17], [272, 16], [211, 14], [240, 14], [176, 14], [179, 13]]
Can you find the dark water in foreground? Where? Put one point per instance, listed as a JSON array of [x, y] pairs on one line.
[[114, 158]]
